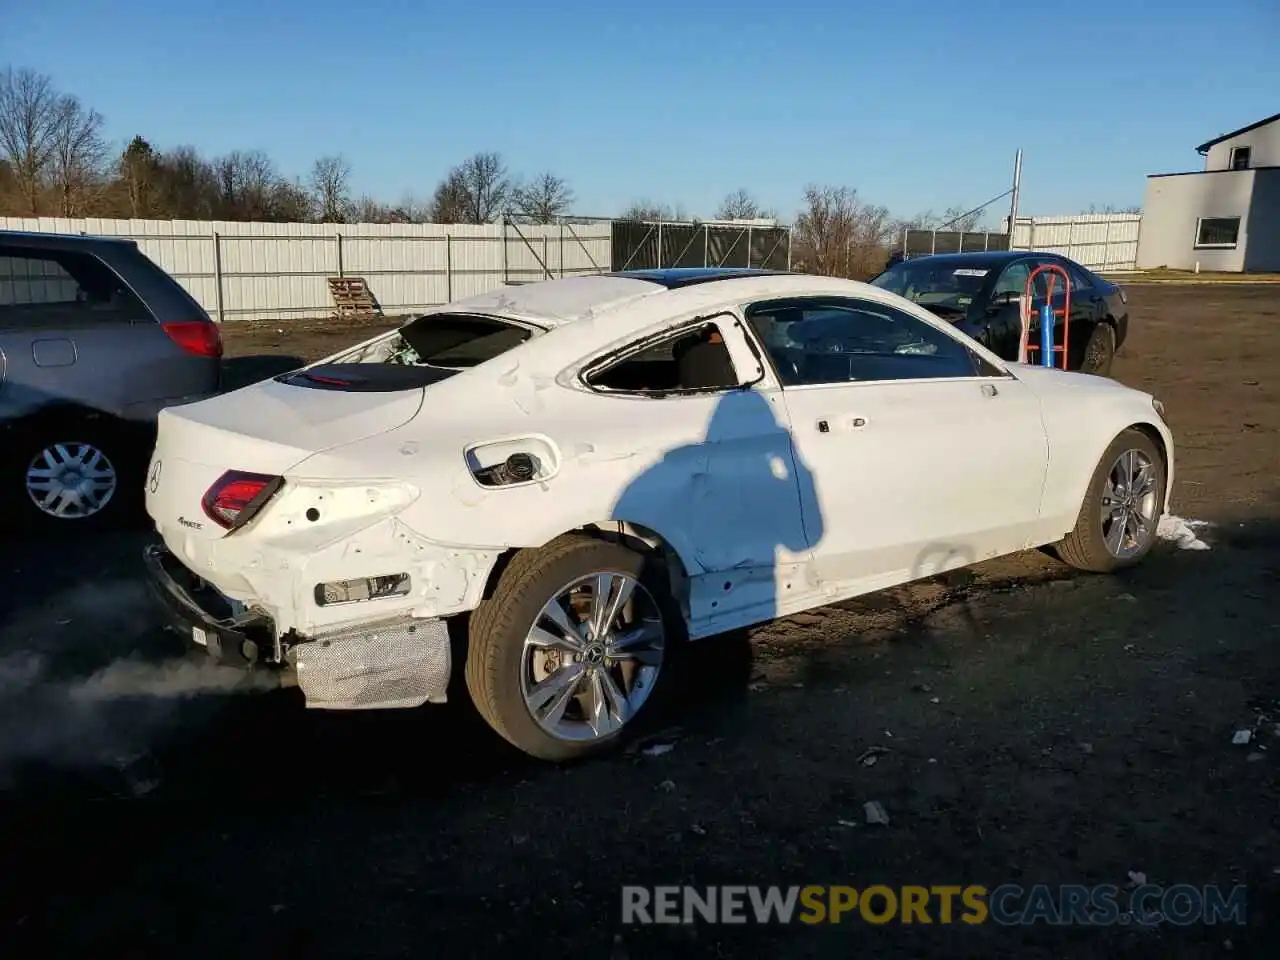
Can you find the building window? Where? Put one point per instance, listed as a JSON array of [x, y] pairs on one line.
[[1240, 158], [1219, 233]]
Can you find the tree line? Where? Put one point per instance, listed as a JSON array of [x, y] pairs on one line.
[[55, 160]]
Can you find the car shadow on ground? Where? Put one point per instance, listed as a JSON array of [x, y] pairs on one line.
[[250, 786], [204, 735]]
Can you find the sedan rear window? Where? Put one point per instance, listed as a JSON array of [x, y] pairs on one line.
[[458, 340]]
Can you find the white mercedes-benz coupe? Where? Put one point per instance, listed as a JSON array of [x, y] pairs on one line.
[[563, 482]]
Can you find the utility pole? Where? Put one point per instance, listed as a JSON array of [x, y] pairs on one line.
[[1013, 203]]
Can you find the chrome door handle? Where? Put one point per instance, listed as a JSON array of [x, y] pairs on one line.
[[989, 390]]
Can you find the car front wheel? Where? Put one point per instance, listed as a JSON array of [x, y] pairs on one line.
[[569, 651], [1117, 523]]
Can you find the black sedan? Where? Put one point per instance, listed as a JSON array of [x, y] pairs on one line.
[[979, 293]]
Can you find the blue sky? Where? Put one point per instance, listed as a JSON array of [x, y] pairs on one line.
[[917, 105]]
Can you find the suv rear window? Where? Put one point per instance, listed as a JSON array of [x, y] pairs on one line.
[[59, 286]]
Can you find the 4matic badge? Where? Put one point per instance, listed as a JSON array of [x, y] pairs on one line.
[[190, 523]]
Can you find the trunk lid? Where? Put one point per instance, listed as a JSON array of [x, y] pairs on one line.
[[267, 428]]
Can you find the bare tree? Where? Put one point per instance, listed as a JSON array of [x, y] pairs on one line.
[[952, 218], [139, 172], [1108, 208], [287, 201], [366, 209], [330, 177], [475, 191], [249, 188], [187, 185], [649, 210], [29, 112], [79, 153], [449, 202], [542, 199], [837, 234], [740, 205], [961, 218]]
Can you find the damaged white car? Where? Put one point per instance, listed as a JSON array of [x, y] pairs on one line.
[[552, 487]]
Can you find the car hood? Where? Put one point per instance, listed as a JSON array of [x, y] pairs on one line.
[[1050, 382]]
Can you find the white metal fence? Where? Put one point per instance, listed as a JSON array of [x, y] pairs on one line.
[[1099, 241], [275, 270]]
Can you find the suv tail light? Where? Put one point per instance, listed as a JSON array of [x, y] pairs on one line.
[[199, 337], [236, 497]]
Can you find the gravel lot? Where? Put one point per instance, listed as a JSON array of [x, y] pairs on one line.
[[1037, 727]]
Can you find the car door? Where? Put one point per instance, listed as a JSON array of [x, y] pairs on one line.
[[717, 475], [924, 456], [1003, 312]]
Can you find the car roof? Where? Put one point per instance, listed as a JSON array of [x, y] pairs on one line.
[[563, 300], [60, 241], [675, 277], [988, 257]]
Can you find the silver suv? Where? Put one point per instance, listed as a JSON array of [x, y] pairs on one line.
[[95, 339]]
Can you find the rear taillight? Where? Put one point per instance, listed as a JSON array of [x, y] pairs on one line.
[[198, 337], [236, 496]]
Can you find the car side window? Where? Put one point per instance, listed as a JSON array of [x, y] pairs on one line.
[[839, 340], [693, 359], [63, 286], [1047, 280], [1080, 279], [1012, 280]]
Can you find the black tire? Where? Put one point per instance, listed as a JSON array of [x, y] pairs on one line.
[[1085, 547], [498, 627], [1100, 351], [123, 449]]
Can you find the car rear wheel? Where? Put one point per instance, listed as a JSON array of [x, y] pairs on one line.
[[1117, 524], [1100, 351], [573, 647]]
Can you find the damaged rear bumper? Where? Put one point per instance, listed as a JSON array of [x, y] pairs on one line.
[[205, 616], [403, 662]]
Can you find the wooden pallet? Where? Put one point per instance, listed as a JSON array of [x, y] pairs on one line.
[[353, 299]]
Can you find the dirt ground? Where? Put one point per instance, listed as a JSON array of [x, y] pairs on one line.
[[1028, 725]]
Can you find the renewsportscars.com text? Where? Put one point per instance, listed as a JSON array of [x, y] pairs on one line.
[[1008, 904]]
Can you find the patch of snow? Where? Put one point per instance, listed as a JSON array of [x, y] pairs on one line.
[[1182, 532]]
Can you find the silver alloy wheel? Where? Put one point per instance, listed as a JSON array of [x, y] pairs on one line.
[[71, 481], [1129, 501], [592, 657]]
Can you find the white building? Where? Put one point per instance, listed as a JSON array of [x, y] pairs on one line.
[[1224, 217]]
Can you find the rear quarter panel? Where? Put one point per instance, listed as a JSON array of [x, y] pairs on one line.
[[154, 369]]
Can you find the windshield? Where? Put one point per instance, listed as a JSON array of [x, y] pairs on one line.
[[934, 284]]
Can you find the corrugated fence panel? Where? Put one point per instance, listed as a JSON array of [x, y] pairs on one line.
[[278, 270], [406, 275], [1100, 241]]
